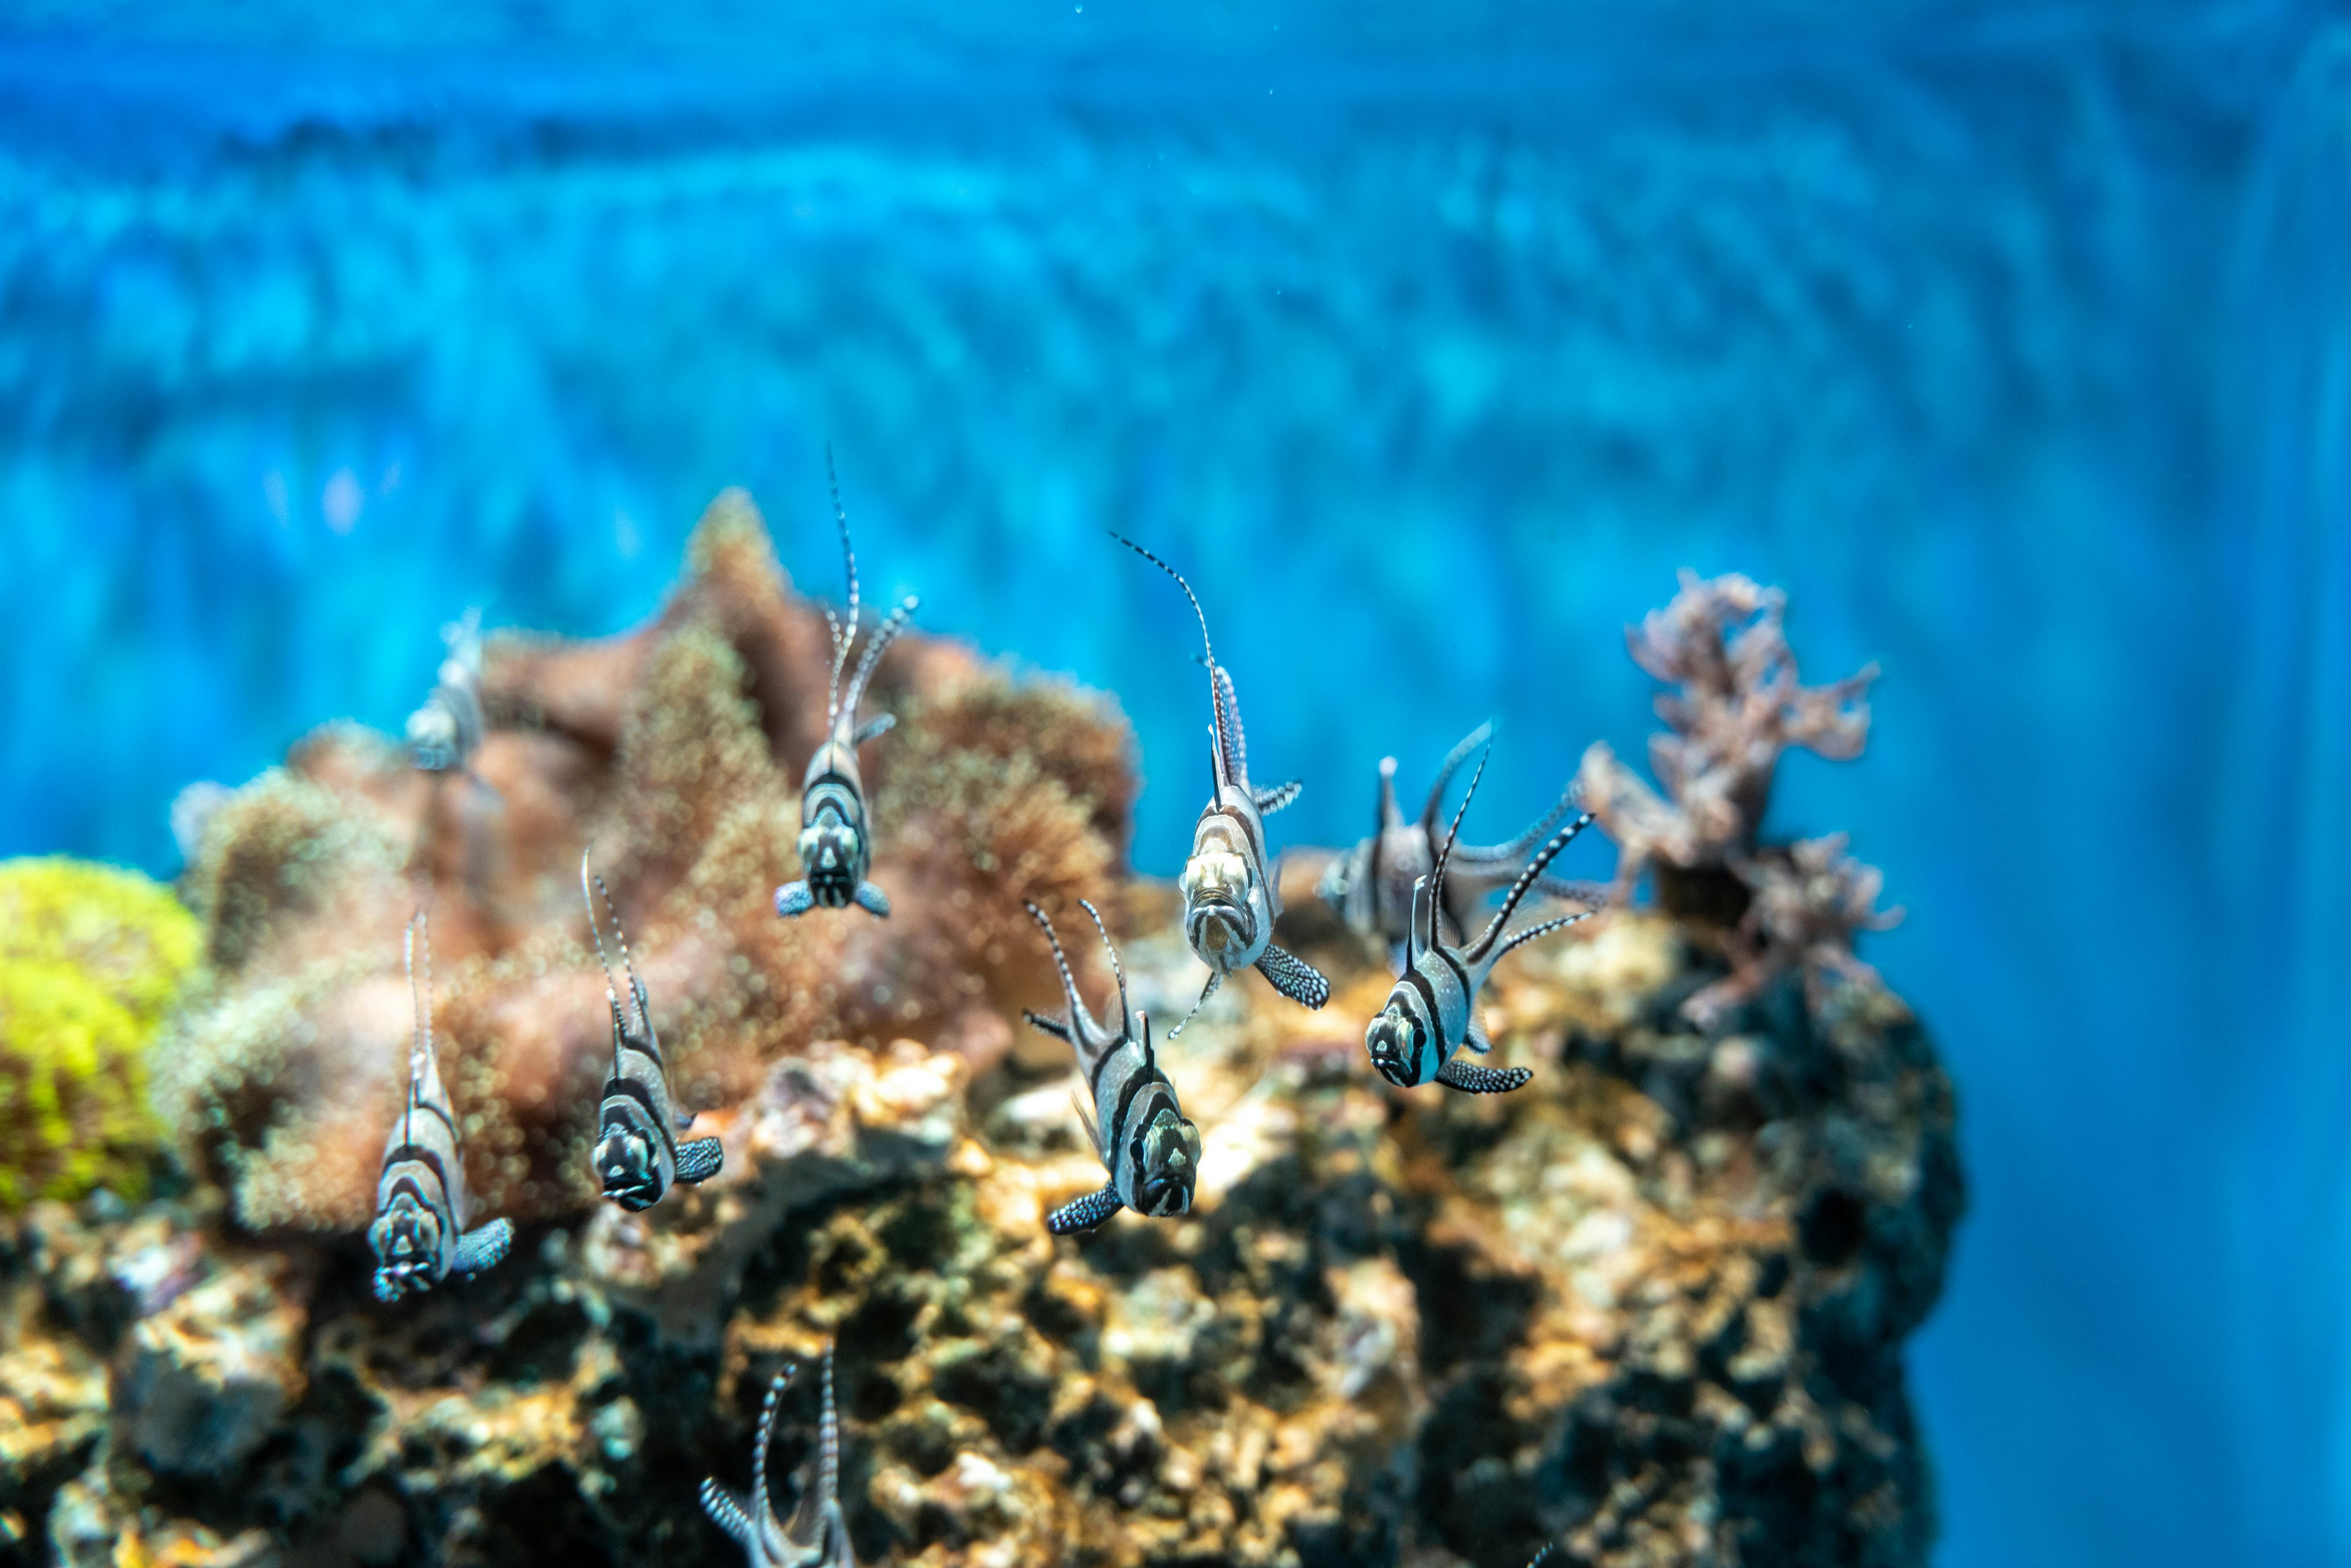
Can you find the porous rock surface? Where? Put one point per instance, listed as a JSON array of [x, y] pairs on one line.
[[1651, 1307]]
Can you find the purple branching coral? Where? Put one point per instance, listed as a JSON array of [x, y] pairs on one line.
[[1724, 644]]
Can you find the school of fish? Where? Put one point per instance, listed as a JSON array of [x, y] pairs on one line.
[[1403, 885]]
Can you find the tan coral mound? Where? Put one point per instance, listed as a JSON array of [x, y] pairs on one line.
[[677, 751]]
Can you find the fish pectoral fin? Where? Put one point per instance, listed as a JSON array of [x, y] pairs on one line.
[[1085, 1120], [794, 898], [1471, 1079], [700, 1159], [1476, 1039], [726, 1511], [872, 900], [482, 1246], [1293, 977], [875, 728], [1269, 802], [1084, 1214]]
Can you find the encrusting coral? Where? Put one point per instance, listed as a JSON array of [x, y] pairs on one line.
[[91, 959], [672, 751], [1723, 643]]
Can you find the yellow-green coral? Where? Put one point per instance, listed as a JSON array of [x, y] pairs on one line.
[[90, 958]]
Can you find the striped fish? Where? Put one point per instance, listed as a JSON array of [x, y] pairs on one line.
[[444, 733], [1230, 897], [1152, 1153], [637, 1152], [817, 1535], [421, 1204], [1431, 1012], [1370, 886], [836, 842]]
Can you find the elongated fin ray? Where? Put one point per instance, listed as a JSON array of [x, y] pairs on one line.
[[1220, 750], [1125, 1013], [1044, 1025], [1216, 978], [1449, 768], [843, 634], [1385, 812], [726, 1511], [1269, 802], [829, 1440], [760, 1512], [1082, 1021], [875, 646], [1452, 833], [1479, 949], [1228, 719], [1521, 938], [875, 728]]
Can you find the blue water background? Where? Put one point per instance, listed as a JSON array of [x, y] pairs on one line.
[[2011, 339]]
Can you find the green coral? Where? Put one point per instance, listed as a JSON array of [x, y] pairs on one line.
[[91, 959]]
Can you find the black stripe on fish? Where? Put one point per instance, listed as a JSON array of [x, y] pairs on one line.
[[637, 1094], [418, 1154]]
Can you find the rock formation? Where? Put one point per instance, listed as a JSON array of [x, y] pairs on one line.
[[1650, 1308]]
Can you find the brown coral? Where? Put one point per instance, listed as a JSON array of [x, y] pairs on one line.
[[1808, 899], [676, 751], [1739, 704]]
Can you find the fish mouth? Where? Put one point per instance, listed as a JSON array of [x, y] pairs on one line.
[[397, 1279], [1218, 925], [631, 1196], [1388, 1057]]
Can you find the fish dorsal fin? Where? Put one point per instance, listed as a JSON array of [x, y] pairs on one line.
[[845, 717], [637, 997], [1419, 918], [844, 632], [423, 1061], [1081, 1022], [1448, 769], [1125, 1013], [1437, 876], [827, 1475], [1221, 747], [611, 996], [1483, 949], [763, 1514], [1229, 726], [1386, 814]]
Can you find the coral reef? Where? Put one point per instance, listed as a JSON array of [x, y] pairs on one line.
[[1651, 1307], [91, 959], [1739, 704], [675, 752]]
